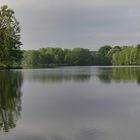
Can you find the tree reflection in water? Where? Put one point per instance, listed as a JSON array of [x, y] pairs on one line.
[[118, 74], [10, 99]]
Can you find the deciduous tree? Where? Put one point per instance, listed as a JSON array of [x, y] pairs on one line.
[[9, 37]]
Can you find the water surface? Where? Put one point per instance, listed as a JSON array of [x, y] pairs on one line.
[[71, 103]]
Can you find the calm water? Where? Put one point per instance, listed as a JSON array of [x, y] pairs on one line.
[[72, 103]]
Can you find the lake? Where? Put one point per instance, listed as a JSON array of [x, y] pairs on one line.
[[70, 103]]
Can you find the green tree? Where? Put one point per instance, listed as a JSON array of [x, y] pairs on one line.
[[102, 57], [114, 50], [127, 56], [59, 56], [80, 57], [105, 49], [9, 38], [31, 59], [67, 57], [137, 55]]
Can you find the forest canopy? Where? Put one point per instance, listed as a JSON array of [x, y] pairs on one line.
[[106, 55]]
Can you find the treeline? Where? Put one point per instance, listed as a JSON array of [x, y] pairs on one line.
[[106, 55], [51, 57]]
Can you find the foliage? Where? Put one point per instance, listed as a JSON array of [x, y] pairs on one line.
[[102, 57], [127, 56], [80, 57], [106, 55], [9, 38], [31, 59], [50, 57], [104, 50]]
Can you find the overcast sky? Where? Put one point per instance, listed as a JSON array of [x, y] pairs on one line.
[[77, 23]]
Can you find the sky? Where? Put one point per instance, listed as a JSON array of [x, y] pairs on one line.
[[77, 23]]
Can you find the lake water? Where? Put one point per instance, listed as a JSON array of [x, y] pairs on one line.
[[71, 103]]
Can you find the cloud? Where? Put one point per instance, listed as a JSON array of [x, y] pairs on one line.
[[77, 23]]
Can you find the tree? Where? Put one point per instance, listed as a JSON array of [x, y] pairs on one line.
[[31, 59], [9, 38], [81, 57], [102, 57], [67, 57], [59, 56], [105, 49], [114, 50], [126, 56]]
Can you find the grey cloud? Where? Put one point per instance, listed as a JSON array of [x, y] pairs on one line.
[[81, 23]]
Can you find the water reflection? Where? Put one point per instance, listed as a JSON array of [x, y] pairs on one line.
[[58, 75], [80, 108], [118, 74], [105, 74], [10, 99]]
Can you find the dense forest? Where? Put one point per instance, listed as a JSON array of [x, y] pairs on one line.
[[106, 55]]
